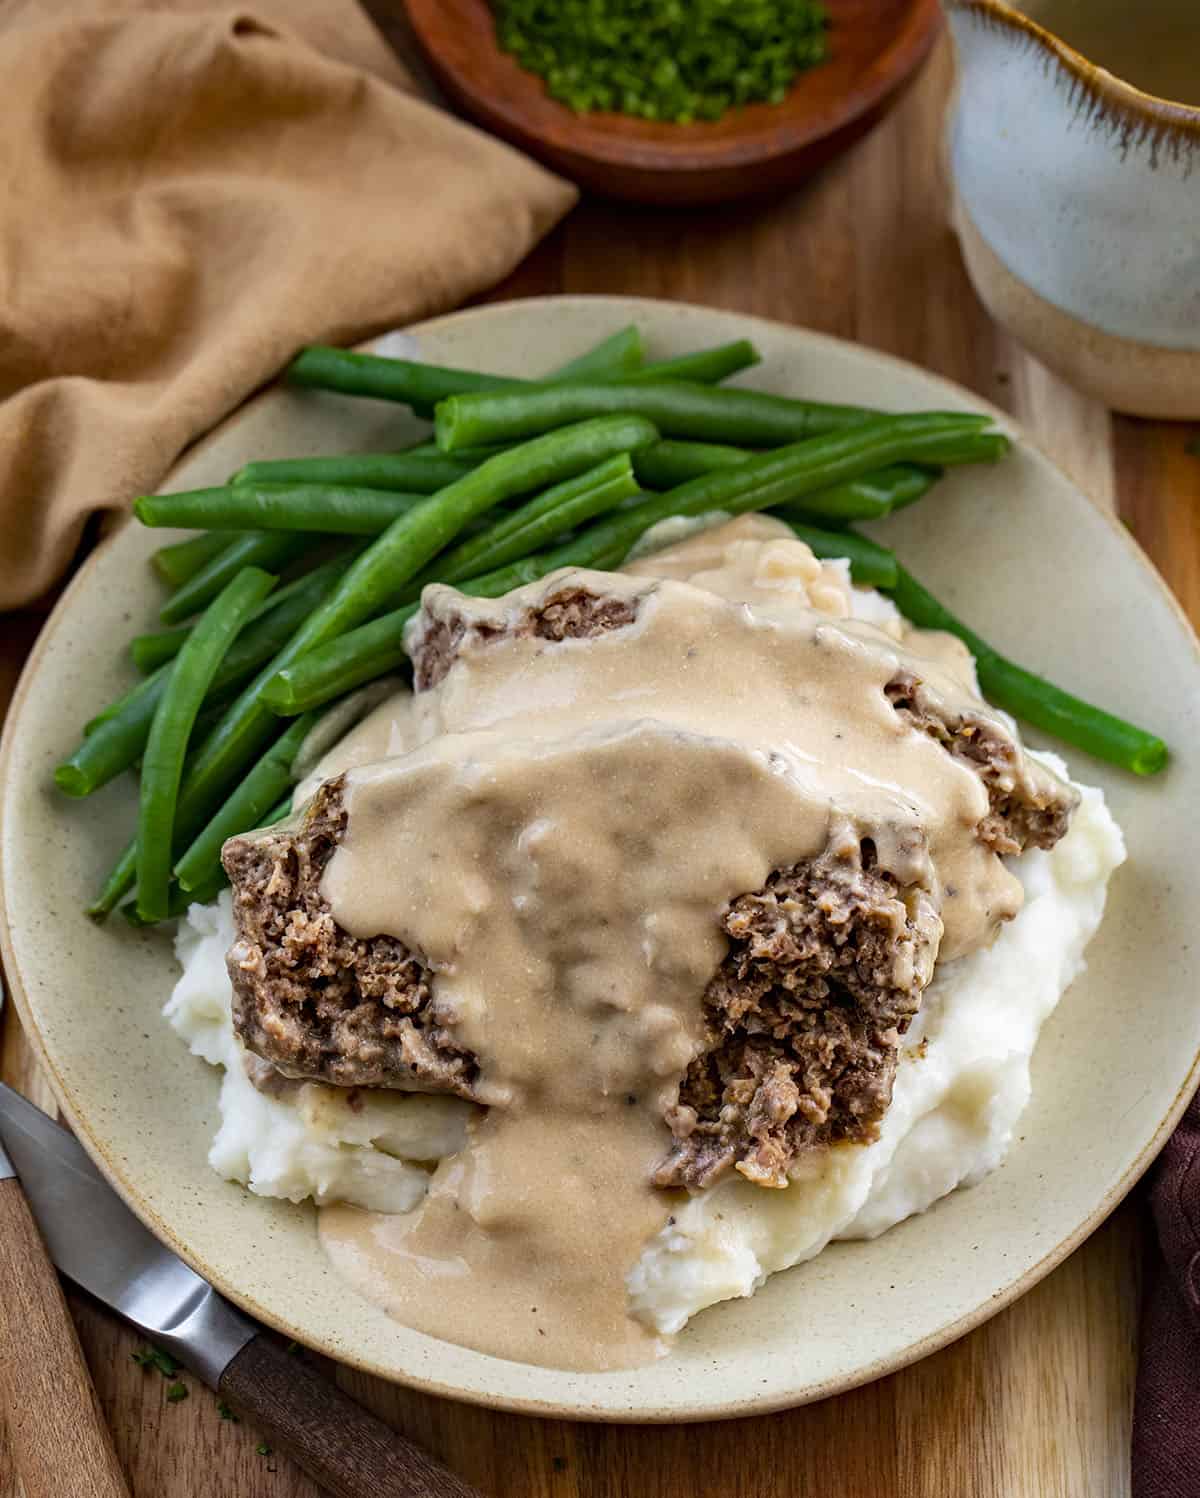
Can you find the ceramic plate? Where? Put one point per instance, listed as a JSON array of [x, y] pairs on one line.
[[1019, 551]]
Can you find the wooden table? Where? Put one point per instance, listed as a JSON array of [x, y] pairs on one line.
[[1037, 1403]]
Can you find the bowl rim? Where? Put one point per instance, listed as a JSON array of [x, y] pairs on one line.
[[525, 1404], [1108, 91], [700, 146]]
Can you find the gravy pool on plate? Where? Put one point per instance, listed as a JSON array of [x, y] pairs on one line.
[[654, 868]]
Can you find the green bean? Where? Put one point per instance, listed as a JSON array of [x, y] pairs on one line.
[[411, 471], [286, 610], [121, 881], [468, 456], [667, 464], [614, 357], [245, 808], [106, 714], [867, 498], [383, 569], [149, 651], [707, 367], [183, 559], [117, 885], [537, 523], [781, 477], [319, 508], [619, 354], [116, 740], [377, 648], [1031, 697], [180, 902], [267, 549], [287, 607], [908, 483], [676, 407], [418, 536], [421, 385], [756, 484], [871, 565], [191, 675], [408, 381], [970, 447], [332, 669], [119, 734], [182, 899]]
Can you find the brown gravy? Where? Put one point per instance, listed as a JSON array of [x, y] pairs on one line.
[[558, 835]]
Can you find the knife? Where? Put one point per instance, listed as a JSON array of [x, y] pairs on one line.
[[97, 1242]]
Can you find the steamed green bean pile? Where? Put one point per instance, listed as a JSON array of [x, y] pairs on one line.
[[303, 572]]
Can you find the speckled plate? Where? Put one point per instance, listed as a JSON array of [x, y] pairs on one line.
[[1023, 555]]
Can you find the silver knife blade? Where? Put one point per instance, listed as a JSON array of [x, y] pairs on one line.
[[95, 1240]]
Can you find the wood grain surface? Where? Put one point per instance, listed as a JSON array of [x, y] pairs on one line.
[[55, 1427], [1035, 1404]]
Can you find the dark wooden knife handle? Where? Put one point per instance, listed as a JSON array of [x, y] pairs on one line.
[[336, 1441], [60, 1442]]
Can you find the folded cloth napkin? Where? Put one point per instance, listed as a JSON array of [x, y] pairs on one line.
[[1166, 1417], [192, 191]]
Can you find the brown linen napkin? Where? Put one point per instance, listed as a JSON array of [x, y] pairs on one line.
[[1166, 1417], [192, 191]]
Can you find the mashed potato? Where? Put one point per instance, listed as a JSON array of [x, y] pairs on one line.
[[960, 1089], [373, 1148]]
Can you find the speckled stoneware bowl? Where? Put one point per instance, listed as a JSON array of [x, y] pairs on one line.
[[1077, 192], [1020, 552]]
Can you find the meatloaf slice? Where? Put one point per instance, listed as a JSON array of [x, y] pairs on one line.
[[309, 998], [1029, 807], [804, 1018], [572, 612]]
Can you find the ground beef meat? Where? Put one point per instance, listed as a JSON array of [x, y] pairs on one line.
[[804, 1018], [312, 1000], [572, 613], [1029, 807]]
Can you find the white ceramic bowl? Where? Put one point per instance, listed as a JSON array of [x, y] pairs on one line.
[[1077, 194], [1020, 552]]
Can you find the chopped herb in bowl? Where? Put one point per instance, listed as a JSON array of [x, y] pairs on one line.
[[671, 60]]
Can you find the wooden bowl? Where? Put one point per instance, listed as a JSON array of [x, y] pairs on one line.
[[875, 46]]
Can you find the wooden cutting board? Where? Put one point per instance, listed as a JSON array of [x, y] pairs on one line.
[[1037, 1403]]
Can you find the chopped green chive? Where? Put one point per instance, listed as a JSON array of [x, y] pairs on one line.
[[664, 59]]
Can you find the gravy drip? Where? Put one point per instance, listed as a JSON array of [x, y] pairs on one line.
[[559, 839]]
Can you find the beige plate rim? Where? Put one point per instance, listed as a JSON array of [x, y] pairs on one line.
[[732, 1408]]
